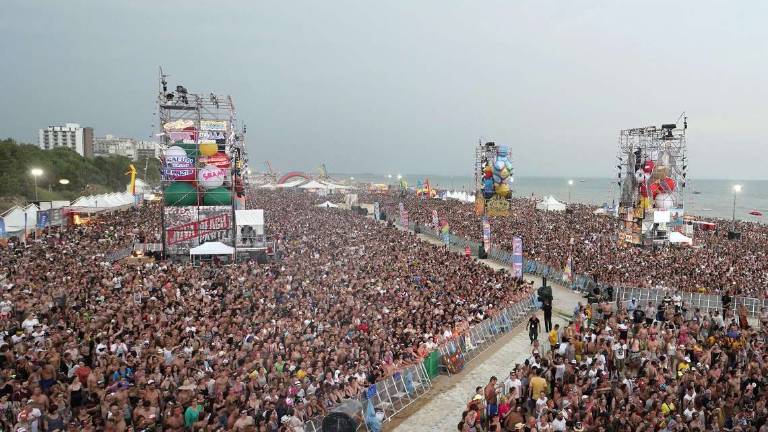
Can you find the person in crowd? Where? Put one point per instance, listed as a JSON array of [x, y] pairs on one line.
[[92, 344], [713, 377]]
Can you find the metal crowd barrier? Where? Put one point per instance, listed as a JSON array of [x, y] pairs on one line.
[[482, 335], [118, 254], [704, 302]]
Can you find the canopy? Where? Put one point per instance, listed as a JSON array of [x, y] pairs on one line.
[[212, 248], [461, 196], [676, 237], [314, 184], [550, 203], [292, 183], [328, 204]]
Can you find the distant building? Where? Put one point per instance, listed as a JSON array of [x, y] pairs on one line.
[[128, 147], [71, 135]]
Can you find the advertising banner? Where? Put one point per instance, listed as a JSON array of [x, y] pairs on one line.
[[376, 210], [486, 234], [213, 125], [188, 227], [403, 216], [42, 219], [435, 220], [517, 257]]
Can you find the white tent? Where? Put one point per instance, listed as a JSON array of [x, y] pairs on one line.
[[328, 204], [461, 196], [292, 183], [550, 203], [253, 218], [336, 186], [676, 237], [104, 201], [212, 248], [268, 186], [314, 184], [14, 219]]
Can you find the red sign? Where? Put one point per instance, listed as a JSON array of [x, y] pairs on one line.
[[200, 228]]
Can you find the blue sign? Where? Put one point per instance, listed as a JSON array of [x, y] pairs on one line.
[[42, 219], [2, 228]]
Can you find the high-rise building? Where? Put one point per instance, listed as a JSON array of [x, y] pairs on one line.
[[71, 135], [128, 147]]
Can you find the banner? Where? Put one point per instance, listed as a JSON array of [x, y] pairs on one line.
[[213, 125], [445, 229], [2, 228], [517, 257], [568, 270], [486, 234], [188, 227], [435, 220], [403, 216], [376, 211], [42, 219], [479, 204]]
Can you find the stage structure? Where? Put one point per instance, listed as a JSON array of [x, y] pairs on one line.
[[493, 179], [651, 173], [203, 162]]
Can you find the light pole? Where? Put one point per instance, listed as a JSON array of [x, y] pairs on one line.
[[570, 185], [36, 172], [736, 189]]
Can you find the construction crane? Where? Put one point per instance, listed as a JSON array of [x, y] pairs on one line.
[[269, 168]]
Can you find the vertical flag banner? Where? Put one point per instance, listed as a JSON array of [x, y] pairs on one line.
[[517, 257], [568, 270], [445, 229], [376, 211], [2, 228], [486, 234], [42, 219], [435, 220], [403, 216]]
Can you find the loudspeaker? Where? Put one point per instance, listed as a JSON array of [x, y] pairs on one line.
[[734, 235], [383, 216], [481, 253], [417, 228], [261, 257]]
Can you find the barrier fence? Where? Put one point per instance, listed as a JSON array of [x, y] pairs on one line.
[[705, 302]]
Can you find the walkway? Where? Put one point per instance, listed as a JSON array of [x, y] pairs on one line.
[[441, 409]]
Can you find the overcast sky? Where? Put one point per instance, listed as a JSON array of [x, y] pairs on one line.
[[405, 86]]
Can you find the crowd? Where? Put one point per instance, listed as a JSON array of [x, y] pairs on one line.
[[635, 367], [168, 346], [715, 264]]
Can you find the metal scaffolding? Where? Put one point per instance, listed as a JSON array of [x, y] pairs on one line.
[[651, 173], [199, 137]]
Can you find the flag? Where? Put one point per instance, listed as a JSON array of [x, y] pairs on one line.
[[373, 422], [517, 257], [568, 270], [435, 220], [486, 234]]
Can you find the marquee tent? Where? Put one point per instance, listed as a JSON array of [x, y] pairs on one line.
[[212, 248], [550, 203], [676, 237]]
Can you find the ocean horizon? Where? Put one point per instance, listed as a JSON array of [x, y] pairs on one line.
[[701, 197]]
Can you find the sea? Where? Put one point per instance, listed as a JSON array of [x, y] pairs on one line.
[[705, 197]]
